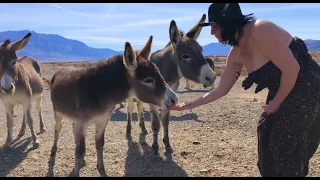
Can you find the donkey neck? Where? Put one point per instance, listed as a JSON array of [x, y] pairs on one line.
[[167, 64], [105, 83]]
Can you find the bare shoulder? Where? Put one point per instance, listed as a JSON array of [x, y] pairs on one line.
[[261, 27], [264, 30]]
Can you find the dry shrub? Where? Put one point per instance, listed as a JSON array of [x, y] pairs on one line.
[[219, 71], [315, 55]]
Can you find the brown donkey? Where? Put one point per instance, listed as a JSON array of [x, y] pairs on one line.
[[89, 95], [21, 83], [182, 57]]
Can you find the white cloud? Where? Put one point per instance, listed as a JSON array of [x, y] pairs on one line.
[[159, 21], [69, 10]]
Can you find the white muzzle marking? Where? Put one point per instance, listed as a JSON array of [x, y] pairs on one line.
[[6, 83], [207, 75]]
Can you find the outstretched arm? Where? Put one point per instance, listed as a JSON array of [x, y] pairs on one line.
[[228, 78]]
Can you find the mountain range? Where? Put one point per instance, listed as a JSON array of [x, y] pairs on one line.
[[53, 47]]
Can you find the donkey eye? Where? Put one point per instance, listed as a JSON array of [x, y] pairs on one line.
[[148, 80], [185, 57], [13, 63]]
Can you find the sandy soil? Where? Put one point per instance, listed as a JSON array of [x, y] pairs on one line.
[[215, 139]]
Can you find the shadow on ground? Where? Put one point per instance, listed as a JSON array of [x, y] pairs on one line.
[[11, 158], [140, 162], [192, 91], [122, 116]]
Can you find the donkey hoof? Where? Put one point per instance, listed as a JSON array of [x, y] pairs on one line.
[[76, 174], [43, 130], [102, 172], [144, 132], [7, 146], [169, 150], [128, 130], [35, 144]]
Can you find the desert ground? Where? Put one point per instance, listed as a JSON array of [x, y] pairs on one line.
[[217, 139]]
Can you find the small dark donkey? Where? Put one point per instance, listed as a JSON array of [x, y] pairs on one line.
[[89, 95]]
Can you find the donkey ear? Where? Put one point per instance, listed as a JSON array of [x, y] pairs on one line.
[[194, 32], [129, 57], [18, 45], [146, 50], [175, 36]]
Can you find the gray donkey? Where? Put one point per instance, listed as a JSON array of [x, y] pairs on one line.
[[182, 57], [211, 64]]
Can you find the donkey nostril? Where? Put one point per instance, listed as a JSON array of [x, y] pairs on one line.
[[172, 101], [207, 79]]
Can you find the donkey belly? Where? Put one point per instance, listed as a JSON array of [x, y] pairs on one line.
[[15, 99], [87, 116]]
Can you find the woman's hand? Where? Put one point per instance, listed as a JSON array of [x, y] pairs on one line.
[[181, 106], [270, 108]]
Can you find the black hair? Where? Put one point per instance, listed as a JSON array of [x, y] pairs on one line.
[[229, 28]]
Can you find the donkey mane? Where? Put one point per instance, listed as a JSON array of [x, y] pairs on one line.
[[6, 43]]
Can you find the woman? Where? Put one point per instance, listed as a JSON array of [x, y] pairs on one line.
[[288, 128]]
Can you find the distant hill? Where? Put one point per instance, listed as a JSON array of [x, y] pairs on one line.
[[216, 49], [313, 45], [52, 47]]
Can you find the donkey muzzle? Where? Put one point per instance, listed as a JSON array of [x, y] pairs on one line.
[[208, 76], [170, 98], [6, 84], [8, 89]]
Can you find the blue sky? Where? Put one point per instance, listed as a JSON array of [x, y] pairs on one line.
[[109, 25]]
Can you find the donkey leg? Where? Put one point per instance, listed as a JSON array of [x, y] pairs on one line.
[[38, 106], [29, 121], [9, 112], [155, 124], [121, 105], [75, 135], [129, 114], [187, 84], [58, 118], [100, 130], [80, 151], [165, 131], [141, 117], [23, 128], [165, 124]]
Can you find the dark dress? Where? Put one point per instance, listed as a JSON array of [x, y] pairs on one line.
[[288, 138]]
